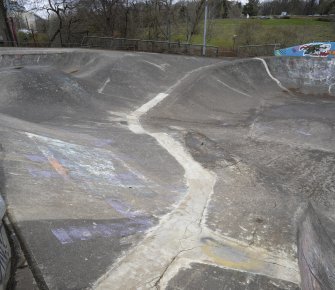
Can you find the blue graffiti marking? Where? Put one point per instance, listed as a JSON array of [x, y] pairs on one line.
[[313, 49]]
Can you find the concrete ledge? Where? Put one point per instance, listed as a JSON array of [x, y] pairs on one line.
[[316, 253]]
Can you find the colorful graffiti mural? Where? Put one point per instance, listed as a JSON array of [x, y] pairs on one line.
[[313, 49]]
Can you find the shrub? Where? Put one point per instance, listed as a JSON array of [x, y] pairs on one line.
[[282, 35], [248, 32], [325, 19]]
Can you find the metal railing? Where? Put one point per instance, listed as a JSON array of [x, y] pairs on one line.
[[156, 46], [257, 50], [148, 46], [36, 44]]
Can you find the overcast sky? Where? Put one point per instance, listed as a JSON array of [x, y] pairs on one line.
[[32, 5]]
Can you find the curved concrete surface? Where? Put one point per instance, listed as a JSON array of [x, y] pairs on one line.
[[136, 171], [316, 253]]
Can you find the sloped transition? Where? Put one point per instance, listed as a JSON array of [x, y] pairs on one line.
[[128, 170]]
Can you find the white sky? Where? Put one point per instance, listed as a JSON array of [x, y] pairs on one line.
[[34, 4]]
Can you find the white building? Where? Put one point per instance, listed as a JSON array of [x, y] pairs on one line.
[[31, 20]]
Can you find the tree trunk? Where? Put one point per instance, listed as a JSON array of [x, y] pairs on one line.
[[126, 20], [5, 30], [198, 14]]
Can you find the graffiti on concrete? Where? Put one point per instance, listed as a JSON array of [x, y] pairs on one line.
[[36, 172], [67, 235], [82, 163], [123, 208], [314, 49], [132, 222]]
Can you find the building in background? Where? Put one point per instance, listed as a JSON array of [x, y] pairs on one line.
[[31, 21], [17, 24]]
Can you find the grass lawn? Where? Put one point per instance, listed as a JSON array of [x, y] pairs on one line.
[[284, 31]]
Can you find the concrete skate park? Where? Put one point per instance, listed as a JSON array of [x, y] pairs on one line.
[[125, 170]]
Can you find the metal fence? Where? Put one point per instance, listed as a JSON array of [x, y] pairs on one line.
[[36, 44], [157, 46], [257, 50], [148, 46]]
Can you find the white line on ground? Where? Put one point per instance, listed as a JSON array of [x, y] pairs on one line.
[[100, 91], [134, 118], [161, 67], [235, 90], [270, 74]]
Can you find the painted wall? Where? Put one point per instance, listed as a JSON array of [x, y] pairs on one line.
[[313, 49]]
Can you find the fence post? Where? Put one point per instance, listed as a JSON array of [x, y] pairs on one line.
[[82, 41]]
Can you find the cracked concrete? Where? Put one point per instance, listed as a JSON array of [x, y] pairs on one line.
[[164, 172], [188, 218]]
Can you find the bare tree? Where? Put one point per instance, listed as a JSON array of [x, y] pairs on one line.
[[195, 17], [5, 28]]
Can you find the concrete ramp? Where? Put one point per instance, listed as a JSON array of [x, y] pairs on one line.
[[149, 171], [316, 252]]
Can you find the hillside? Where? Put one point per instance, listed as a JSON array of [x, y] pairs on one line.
[[255, 31]]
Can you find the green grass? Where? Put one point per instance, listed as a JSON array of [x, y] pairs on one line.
[[294, 21], [285, 31]]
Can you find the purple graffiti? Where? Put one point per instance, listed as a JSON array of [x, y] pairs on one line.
[[35, 172], [62, 236], [126, 179], [84, 233], [122, 208], [36, 158], [103, 142]]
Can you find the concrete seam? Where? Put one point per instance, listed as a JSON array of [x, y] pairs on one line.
[[193, 170], [270, 74], [235, 90], [164, 240]]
